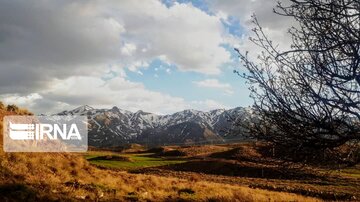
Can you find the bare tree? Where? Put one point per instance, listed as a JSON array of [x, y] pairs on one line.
[[308, 98]]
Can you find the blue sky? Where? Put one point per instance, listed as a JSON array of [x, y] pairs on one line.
[[166, 78], [159, 56]]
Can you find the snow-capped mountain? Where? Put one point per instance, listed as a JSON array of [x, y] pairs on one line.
[[114, 127]]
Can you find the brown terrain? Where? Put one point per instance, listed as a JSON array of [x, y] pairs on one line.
[[243, 164], [236, 172]]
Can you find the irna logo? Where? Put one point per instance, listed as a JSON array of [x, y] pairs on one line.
[[41, 131], [45, 134]]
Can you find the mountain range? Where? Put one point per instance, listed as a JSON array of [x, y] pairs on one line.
[[116, 127]]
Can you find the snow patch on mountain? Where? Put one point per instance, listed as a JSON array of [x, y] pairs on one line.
[[117, 126]]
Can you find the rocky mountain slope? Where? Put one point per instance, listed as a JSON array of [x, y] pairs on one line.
[[115, 127]]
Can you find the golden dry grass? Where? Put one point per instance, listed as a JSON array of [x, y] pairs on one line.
[[69, 177], [63, 176], [192, 151]]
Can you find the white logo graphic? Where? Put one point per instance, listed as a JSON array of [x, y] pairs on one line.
[[45, 134], [38, 131], [21, 131]]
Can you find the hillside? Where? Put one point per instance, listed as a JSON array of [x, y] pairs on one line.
[[69, 177]]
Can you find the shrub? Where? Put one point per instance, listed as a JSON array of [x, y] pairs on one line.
[[12, 108]]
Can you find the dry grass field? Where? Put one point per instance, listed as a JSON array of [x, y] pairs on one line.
[[242, 165], [205, 173]]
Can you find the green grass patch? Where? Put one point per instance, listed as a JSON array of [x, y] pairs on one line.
[[136, 161]]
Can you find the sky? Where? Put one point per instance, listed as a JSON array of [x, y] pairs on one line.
[[156, 56]]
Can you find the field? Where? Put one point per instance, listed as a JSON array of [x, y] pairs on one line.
[[237, 164], [126, 175], [236, 172], [130, 162]]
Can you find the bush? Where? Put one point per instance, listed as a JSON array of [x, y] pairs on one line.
[[12, 108], [186, 191]]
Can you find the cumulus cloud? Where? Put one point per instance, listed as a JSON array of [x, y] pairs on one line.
[[243, 9], [63, 38], [128, 49], [104, 94], [118, 91], [275, 26], [214, 83], [46, 39], [181, 34], [53, 52]]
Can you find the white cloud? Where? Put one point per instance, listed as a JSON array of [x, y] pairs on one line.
[[34, 102], [21, 101], [182, 34], [53, 54], [208, 105], [214, 83], [48, 39], [274, 26], [128, 49], [43, 40], [138, 64], [104, 94]]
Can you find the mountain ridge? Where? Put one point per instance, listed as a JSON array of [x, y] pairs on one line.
[[115, 126]]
